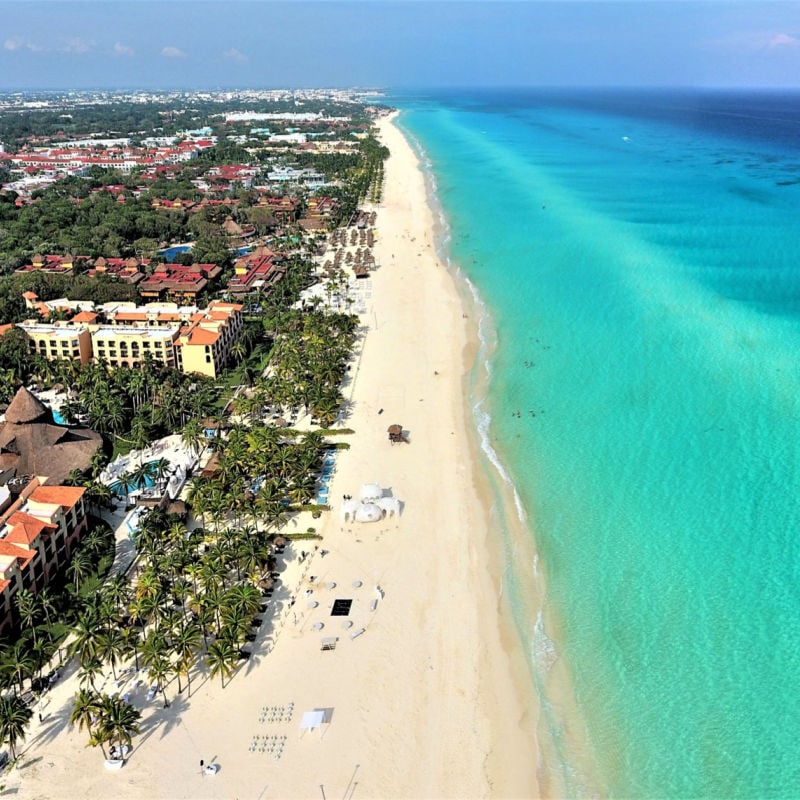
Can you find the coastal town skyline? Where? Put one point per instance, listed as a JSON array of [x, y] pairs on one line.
[[117, 45]]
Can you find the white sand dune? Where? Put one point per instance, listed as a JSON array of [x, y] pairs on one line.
[[426, 703]]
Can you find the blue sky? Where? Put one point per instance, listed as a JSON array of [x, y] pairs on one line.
[[406, 43]]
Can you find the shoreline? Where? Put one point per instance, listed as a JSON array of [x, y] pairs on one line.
[[509, 547], [509, 775], [431, 700]]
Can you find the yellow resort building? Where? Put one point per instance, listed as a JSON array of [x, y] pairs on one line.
[[205, 344], [125, 335], [65, 340]]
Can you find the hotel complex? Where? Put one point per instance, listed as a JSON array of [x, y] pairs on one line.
[[126, 335]]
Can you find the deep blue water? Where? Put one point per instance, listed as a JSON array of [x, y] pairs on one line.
[[638, 256]]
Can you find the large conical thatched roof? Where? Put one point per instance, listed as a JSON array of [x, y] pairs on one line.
[[25, 408], [31, 444]]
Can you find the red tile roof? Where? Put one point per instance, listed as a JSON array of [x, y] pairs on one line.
[[65, 496]]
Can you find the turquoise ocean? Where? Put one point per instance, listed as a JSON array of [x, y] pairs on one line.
[[637, 259]]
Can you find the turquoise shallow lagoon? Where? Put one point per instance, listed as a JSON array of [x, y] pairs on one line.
[[638, 258]]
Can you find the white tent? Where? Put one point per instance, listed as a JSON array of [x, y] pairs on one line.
[[312, 719], [371, 491], [372, 507], [369, 512], [389, 505]]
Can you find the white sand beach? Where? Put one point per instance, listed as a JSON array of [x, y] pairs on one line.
[[427, 702]]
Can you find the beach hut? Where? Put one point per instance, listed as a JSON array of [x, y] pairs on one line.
[[396, 434]]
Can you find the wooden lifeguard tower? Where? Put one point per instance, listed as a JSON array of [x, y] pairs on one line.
[[396, 434]]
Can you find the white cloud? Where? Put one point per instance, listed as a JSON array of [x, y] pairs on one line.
[[757, 41], [172, 52], [75, 45], [122, 49], [783, 40], [234, 55], [18, 43]]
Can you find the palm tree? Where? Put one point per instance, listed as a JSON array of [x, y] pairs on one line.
[[85, 710], [244, 598], [118, 722], [99, 496], [98, 462], [140, 436], [90, 669], [110, 647], [79, 568], [85, 632], [221, 659], [161, 471], [75, 478], [14, 717], [46, 603], [118, 591], [28, 610], [185, 643], [19, 665], [141, 474], [159, 669], [193, 436]]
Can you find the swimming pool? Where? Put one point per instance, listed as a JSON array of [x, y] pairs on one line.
[[122, 489], [170, 252]]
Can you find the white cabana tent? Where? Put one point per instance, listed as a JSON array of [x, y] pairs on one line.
[[389, 506], [372, 507], [368, 512], [371, 491]]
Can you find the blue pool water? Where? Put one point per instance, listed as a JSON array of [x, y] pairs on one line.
[[118, 487], [170, 253], [637, 257]]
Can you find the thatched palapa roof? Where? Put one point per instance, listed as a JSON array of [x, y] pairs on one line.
[[31, 444]]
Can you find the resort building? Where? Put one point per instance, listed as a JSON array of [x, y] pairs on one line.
[[56, 265], [127, 270], [284, 209], [160, 204], [205, 345], [67, 340], [319, 211], [257, 271], [39, 531], [125, 335], [123, 346], [176, 282]]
